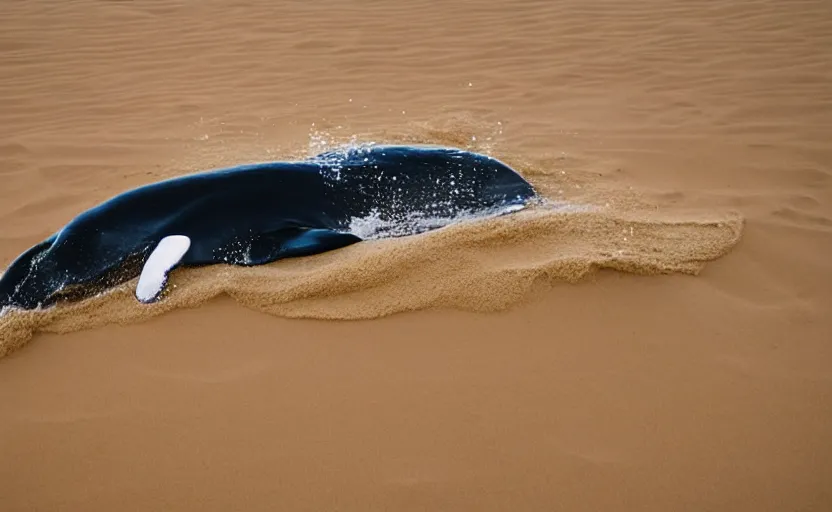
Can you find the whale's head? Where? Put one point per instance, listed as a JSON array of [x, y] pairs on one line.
[[503, 185], [432, 181]]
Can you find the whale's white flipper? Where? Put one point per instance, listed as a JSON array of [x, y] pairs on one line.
[[164, 257]]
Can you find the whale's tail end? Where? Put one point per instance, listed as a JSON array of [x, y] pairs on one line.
[[23, 284]]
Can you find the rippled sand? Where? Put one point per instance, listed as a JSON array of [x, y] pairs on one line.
[[665, 349]]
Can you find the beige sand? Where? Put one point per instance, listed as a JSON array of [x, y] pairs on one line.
[[668, 350]]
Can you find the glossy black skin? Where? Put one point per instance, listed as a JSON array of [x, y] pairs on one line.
[[254, 214]]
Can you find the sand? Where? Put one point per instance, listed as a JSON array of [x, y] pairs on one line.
[[666, 349]]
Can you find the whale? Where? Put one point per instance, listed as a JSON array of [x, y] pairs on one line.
[[255, 214]]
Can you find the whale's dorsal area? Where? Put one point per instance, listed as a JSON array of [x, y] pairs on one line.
[[154, 274]]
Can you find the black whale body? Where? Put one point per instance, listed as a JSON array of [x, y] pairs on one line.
[[255, 214]]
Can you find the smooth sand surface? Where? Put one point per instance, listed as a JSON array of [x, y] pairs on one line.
[[668, 349]]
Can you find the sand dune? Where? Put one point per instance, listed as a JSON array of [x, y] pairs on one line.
[[666, 351]]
